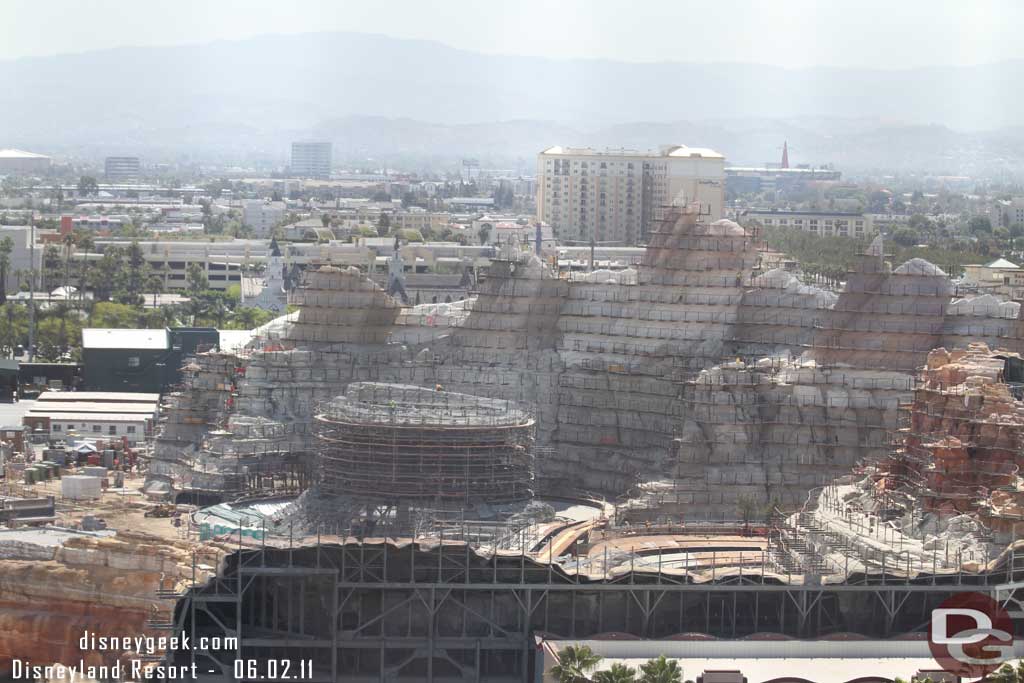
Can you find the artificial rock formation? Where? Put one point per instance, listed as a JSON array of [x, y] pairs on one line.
[[52, 591], [649, 376], [960, 448]]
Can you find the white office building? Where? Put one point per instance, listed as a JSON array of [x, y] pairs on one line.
[[263, 216], [311, 160], [121, 169], [821, 223]]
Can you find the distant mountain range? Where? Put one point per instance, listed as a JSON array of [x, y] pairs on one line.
[[421, 102]]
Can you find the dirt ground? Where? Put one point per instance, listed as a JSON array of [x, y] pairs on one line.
[[119, 508]]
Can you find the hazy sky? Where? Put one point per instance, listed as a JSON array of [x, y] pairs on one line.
[[782, 32]]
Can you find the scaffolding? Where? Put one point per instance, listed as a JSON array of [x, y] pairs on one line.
[[959, 441], [403, 443]]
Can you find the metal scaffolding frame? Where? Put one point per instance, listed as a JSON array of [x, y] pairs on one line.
[[395, 443]]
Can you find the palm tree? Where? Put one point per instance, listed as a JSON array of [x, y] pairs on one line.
[[1008, 673], [85, 243], [51, 271], [660, 670], [155, 284], [6, 246], [70, 240], [245, 317], [618, 673], [574, 663]]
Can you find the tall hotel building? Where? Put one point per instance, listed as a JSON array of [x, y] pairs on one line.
[[614, 195]]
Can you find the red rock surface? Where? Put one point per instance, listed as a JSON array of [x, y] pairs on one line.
[[107, 586], [961, 446]]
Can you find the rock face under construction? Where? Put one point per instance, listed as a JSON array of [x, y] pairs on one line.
[[781, 466], [399, 443], [694, 377], [960, 441]]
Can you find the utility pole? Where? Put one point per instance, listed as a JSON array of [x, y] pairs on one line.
[[31, 287], [593, 246]]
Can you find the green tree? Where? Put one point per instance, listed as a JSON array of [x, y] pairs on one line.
[[163, 316], [575, 662], [105, 273], [660, 670], [485, 233], [13, 328], [920, 222], [1008, 673], [747, 508], [10, 186], [209, 308], [248, 317], [617, 673], [53, 333], [906, 237], [52, 268], [980, 224], [195, 279], [87, 185], [132, 276], [70, 241], [384, 224], [86, 244], [114, 315], [154, 285]]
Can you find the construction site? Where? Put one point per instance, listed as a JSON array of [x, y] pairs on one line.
[[688, 448]]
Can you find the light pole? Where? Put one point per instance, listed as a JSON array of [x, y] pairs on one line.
[[31, 287]]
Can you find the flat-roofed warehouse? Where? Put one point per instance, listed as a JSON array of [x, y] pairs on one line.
[[17, 161], [110, 415]]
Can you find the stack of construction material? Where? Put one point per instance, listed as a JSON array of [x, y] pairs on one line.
[[80, 487]]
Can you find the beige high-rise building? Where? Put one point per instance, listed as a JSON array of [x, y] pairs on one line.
[[614, 195]]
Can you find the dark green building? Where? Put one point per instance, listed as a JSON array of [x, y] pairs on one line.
[[140, 360]]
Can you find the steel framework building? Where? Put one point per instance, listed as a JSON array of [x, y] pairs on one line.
[[381, 611]]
